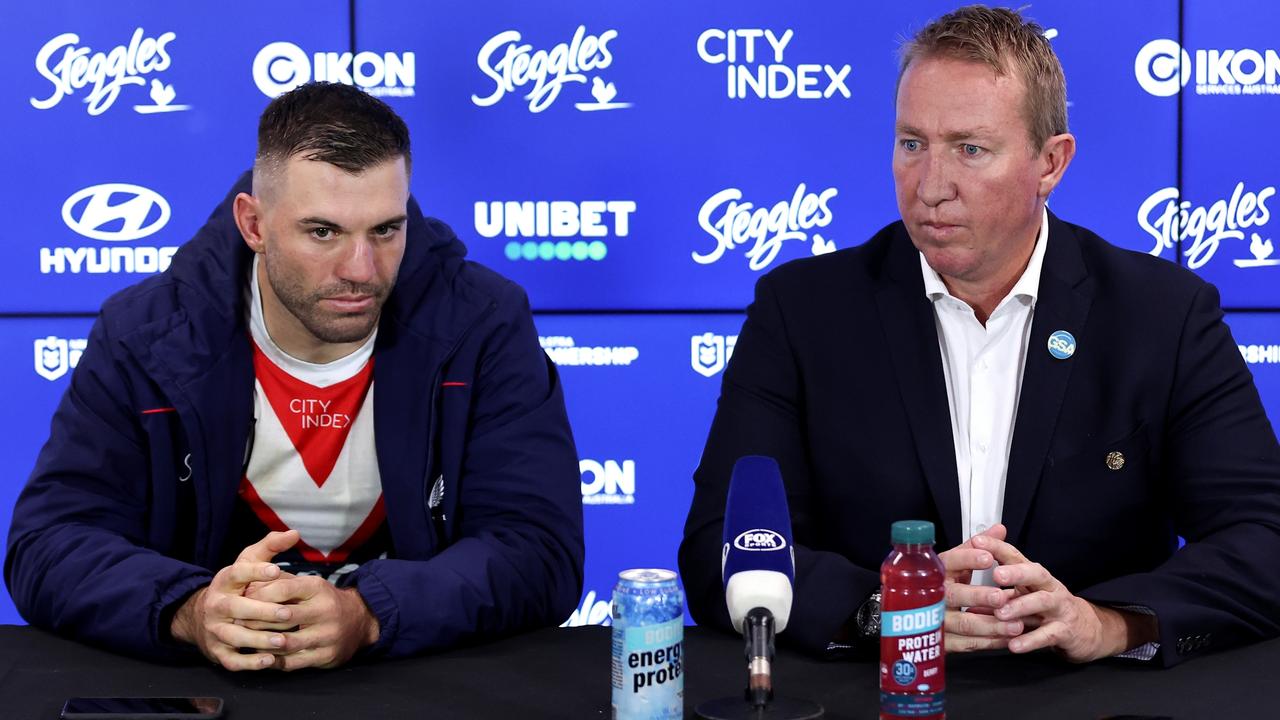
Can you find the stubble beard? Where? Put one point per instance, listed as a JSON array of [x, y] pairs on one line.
[[327, 326]]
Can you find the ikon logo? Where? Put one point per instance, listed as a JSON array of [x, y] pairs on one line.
[[282, 66], [116, 212], [759, 540]]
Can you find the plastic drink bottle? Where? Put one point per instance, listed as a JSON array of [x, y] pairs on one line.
[[912, 606]]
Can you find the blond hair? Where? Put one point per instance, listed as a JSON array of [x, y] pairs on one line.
[[1001, 39]]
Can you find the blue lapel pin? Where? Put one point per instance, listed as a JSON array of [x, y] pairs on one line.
[[1062, 344]]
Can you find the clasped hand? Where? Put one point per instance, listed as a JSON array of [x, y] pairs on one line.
[[1029, 609], [281, 620]]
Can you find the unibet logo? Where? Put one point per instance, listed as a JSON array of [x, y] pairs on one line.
[[765, 227], [555, 219], [608, 483], [56, 356], [710, 352], [511, 64], [282, 66], [759, 540], [1163, 67], [111, 212], [71, 68], [738, 49], [563, 351], [1167, 218]]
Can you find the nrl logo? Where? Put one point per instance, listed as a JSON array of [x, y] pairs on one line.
[[709, 353], [54, 356]]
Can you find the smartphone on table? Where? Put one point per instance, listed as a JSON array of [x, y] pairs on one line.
[[142, 708]]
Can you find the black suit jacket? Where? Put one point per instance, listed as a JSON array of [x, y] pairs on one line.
[[837, 374]]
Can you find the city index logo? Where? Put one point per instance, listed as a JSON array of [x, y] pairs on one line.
[[282, 66], [70, 68], [1163, 67], [512, 64], [608, 482], [56, 356], [760, 540], [111, 212], [757, 69]]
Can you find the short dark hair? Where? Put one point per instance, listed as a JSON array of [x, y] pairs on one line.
[[333, 123]]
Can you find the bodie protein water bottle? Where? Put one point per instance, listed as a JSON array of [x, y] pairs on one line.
[[912, 606]]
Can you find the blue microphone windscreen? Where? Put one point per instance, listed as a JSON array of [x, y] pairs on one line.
[[757, 523]]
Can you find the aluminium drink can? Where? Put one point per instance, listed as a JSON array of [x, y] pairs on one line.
[[648, 646]]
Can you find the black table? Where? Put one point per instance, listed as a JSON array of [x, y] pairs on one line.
[[559, 673]]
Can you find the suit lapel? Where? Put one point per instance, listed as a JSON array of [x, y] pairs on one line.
[[907, 318], [1065, 295]]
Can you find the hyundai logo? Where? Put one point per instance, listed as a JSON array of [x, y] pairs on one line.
[[90, 211], [759, 540]]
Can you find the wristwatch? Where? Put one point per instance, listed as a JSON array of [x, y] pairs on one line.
[[868, 616]]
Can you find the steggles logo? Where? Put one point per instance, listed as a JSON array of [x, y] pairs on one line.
[[765, 227], [548, 70], [107, 72], [1204, 228]]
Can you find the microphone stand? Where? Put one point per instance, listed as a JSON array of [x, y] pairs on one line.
[[758, 634]]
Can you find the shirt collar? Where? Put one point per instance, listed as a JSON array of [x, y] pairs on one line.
[[1028, 286]]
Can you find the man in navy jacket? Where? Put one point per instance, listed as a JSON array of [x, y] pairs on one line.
[[134, 531], [1056, 406]]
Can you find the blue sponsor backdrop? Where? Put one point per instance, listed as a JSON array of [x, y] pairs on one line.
[[155, 95], [35, 360], [701, 159], [641, 391], [652, 159], [1229, 173]]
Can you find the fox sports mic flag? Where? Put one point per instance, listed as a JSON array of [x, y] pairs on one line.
[[758, 559]]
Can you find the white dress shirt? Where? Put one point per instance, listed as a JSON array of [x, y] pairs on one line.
[[983, 369]]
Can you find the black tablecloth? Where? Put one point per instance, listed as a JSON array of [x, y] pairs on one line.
[[564, 673]]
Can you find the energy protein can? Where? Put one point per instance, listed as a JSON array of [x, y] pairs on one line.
[[648, 646]]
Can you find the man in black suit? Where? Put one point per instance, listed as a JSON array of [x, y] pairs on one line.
[[1061, 409]]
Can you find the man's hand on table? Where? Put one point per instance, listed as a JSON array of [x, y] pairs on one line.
[[332, 623], [1030, 609], [211, 619], [292, 622]]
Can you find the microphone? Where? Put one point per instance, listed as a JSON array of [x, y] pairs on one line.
[[758, 563], [758, 568]]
